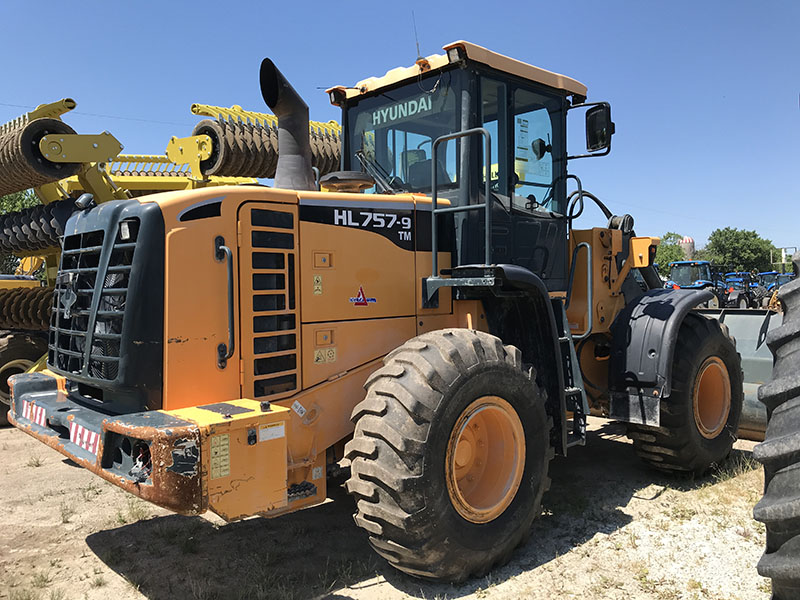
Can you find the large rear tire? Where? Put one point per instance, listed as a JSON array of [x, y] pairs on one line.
[[779, 509], [450, 455], [700, 417], [18, 353]]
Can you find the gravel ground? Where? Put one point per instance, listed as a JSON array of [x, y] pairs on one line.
[[610, 528]]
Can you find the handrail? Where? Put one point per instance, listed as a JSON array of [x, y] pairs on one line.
[[487, 205]]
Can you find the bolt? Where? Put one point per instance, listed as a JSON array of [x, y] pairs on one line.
[[94, 145]]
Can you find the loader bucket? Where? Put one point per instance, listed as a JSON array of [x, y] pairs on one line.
[[749, 328]]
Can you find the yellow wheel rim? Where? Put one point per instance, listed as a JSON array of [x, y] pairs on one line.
[[711, 398], [485, 459]]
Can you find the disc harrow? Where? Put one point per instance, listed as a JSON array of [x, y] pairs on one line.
[[26, 308], [22, 163], [248, 149]]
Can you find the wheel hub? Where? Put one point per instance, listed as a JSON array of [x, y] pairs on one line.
[[485, 459], [711, 398]]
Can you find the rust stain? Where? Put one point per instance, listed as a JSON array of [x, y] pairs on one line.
[[179, 492]]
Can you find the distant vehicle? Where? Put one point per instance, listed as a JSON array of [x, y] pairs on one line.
[[741, 292], [768, 279], [689, 274], [772, 280], [698, 275]]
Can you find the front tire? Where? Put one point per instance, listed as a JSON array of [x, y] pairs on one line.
[[450, 455], [700, 417]]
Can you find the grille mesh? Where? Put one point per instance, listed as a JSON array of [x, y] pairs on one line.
[[89, 303]]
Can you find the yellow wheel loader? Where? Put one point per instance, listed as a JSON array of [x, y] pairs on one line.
[[429, 315]]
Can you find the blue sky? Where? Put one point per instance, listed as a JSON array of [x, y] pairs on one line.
[[705, 95]]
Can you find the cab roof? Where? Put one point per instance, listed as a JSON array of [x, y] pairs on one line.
[[462, 49]]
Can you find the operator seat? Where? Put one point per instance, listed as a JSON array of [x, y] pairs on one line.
[[419, 174]]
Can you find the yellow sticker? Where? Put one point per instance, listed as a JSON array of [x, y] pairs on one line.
[[317, 285], [326, 355], [220, 456]]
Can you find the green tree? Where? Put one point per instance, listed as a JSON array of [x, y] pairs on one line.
[[9, 204], [669, 250], [741, 249]]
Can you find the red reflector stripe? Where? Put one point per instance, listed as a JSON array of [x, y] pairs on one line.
[[85, 438], [34, 413]]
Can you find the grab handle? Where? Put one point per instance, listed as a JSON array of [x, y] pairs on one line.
[[222, 252]]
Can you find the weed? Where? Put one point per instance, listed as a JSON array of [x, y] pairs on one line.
[[695, 586], [90, 491], [17, 594], [34, 461], [98, 581], [54, 562], [67, 511], [113, 556], [201, 590], [137, 510], [57, 594], [738, 464], [764, 586], [633, 539], [682, 513], [168, 533], [41, 580]]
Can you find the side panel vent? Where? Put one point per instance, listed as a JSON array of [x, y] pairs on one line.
[[270, 320]]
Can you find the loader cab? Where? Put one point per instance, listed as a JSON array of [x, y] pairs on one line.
[[390, 128]]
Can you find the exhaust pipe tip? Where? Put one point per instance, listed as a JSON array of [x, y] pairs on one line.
[[268, 80], [294, 149]]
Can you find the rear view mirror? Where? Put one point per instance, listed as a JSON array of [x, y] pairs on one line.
[[599, 127]]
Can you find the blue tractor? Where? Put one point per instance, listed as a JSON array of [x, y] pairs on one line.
[[698, 275]]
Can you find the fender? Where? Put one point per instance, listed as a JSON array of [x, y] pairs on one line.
[[644, 335], [520, 312]]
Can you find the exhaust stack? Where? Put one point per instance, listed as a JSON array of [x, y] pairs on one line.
[[294, 150]]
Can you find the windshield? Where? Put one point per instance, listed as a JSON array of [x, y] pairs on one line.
[[784, 278], [392, 133], [768, 278], [685, 275], [736, 284]]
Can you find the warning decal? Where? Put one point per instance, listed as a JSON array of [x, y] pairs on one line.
[[220, 456], [272, 431]]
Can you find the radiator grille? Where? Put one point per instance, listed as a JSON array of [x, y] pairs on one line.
[[269, 269], [89, 302]]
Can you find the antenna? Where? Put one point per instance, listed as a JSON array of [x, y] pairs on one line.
[[416, 37]]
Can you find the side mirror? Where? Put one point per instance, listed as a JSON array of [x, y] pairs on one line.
[[599, 127]]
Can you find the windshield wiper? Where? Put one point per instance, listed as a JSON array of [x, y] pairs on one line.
[[377, 172]]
